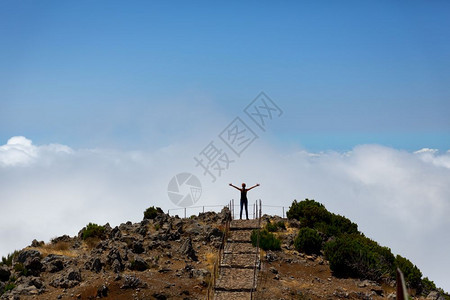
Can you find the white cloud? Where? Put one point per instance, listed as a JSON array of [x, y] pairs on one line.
[[398, 198]]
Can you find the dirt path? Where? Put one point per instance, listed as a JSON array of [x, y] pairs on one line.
[[238, 266]]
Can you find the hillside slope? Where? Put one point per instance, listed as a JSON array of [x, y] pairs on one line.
[[167, 257]]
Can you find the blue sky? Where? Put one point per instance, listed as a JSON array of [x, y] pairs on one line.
[[103, 102], [372, 72]]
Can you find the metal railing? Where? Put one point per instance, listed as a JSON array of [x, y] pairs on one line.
[[277, 210], [195, 209], [258, 210], [219, 257]]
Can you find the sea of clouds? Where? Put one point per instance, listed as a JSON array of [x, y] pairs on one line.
[[400, 199]]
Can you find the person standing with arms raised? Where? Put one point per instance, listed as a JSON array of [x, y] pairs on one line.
[[244, 200]]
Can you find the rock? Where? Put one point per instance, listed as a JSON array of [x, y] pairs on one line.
[[24, 255], [159, 296], [4, 273], [94, 264], [214, 233], [115, 233], [115, 260], [133, 282], [69, 280], [33, 265], [53, 263], [139, 264], [102, 291], [188, 250], [270, 257], [433, 295], [37, 244], [392, 296], [378, 291], [340, 293], [364, 283], [273, 270], [201, 274], [138, 247], [293, 223], [23, 289], [64, 238], [56, 266]]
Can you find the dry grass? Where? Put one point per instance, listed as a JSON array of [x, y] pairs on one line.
[[91, 242], [59, 248], [210, 259]]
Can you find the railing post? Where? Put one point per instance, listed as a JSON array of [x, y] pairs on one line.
[[185, 212], [283, 212]]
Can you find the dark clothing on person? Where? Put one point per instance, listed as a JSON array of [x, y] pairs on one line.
[[244, 202], [244, 194]]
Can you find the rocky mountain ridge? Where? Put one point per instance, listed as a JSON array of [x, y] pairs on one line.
[[166, 257]]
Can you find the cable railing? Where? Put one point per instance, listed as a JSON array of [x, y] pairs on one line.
[[194, 210], [276, 210], [258, 210], [219, 257]]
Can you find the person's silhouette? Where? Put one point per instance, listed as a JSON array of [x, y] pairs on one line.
[[244, 200]]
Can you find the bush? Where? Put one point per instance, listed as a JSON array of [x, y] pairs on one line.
[[427, 286], [411, 272], [274, 227], [281, 225], [308, 241], [267, 240], [152, 212], [93, 230], [9, 286], [19, 268], [271, 227], [298, 209], [9, 258], [314, 215], [357, 256]]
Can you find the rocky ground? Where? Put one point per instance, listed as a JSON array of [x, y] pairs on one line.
[[169, 258]]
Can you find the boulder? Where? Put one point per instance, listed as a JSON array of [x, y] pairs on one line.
[[133, 282], [102, 291], [187, 249], [29, 254], [69, 280], [139, 264], [94, 264], [4, 273]]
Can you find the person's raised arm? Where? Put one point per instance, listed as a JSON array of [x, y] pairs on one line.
[[234, 186], [253, 187]]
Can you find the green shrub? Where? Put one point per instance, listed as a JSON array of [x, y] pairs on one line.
[[18, 267], [9, 258], [93, 230], [313, 214], [267, 240], [271, 227], [274, 227], [300, 209], [9, 286], [357, 256], [427, 286], [281, 225], [152, 212], [413, 276], [308, 241]]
